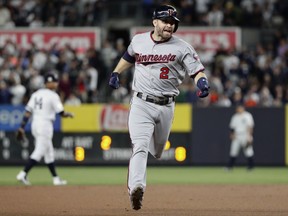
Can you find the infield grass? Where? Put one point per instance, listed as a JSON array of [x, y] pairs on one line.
[[81, 175]]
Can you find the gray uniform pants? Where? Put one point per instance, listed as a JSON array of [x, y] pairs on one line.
[[149, 127]]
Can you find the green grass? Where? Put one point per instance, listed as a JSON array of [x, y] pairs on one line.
[[155, 175]]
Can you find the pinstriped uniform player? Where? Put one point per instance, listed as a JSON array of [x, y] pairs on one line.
[[241, 135], [43, 105], [161, 62]]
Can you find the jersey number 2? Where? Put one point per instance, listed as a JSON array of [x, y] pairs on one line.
[[164, 73]]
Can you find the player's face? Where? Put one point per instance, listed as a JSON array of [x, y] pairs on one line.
[[240, 109], [52, 85], [164, 28]]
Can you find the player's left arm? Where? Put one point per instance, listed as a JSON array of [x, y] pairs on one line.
[[250, 130], [250, 135], [193, 64], [59, 108], [66, 114]]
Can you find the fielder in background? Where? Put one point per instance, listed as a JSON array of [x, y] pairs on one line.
[[43, 106], [161, 61], [241, 135]]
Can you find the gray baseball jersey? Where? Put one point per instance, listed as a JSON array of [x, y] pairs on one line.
[[161, 67], [44, 104]]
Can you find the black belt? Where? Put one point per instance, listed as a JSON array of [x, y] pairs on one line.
[[157, 100]]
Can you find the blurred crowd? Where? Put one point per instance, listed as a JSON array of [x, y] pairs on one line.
[[82, 79], [245, 13], [257, 76]]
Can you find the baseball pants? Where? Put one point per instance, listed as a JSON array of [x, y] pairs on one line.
[[149, 128]]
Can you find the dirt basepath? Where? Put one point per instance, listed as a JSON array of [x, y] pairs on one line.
[[165, 200]]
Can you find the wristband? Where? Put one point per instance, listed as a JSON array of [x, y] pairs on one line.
[[24, 121]]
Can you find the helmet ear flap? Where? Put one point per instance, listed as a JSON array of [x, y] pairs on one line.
[[176, 27]]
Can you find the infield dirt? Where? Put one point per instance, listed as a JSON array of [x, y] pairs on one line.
[[164, 200]]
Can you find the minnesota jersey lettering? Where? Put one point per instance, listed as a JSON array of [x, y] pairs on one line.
[[153, 59]]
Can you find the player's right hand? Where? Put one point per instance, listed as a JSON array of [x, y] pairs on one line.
[[114, 80]]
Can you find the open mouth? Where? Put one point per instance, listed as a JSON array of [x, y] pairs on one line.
[[168, 31]]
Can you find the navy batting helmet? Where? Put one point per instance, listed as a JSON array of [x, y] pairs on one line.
[[166, 11], [50, 77]]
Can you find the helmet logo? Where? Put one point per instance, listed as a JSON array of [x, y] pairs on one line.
[[166, 13], [171, 12]]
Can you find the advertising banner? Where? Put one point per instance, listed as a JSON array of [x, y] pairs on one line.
[[93, 118], [208, 38], [114, 118], [91, 148], [11, 117], [207, 144], [79, 39]]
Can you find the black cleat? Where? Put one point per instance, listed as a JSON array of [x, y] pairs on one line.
[[136, 198]]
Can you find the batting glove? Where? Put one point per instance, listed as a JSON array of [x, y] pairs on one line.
[[204, 87], [114, 80]]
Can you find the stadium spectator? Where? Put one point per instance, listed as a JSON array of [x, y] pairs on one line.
[[16, 89], [187, 12], [5, 95], [215, 16], [232, 14], [92, 81], [5, 16], [36, 22], [73, 100], [64, 86]]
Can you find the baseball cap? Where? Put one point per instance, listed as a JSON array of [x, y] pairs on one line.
[[50, 78]]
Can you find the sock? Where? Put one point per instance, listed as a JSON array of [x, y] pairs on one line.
[[52, 169], [231, 162], [250, 162], [31, 163]]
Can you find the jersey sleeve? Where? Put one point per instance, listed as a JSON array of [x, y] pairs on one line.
[[30, 104], [191, 61], [130, 50], [129, 55], [250, 120], [232, 123], [57, 105]]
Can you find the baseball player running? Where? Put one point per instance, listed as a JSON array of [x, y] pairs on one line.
[[161, 62], [241, 135], [43, 105]]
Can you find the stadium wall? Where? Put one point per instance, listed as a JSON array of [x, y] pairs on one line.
[[98, 135]]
